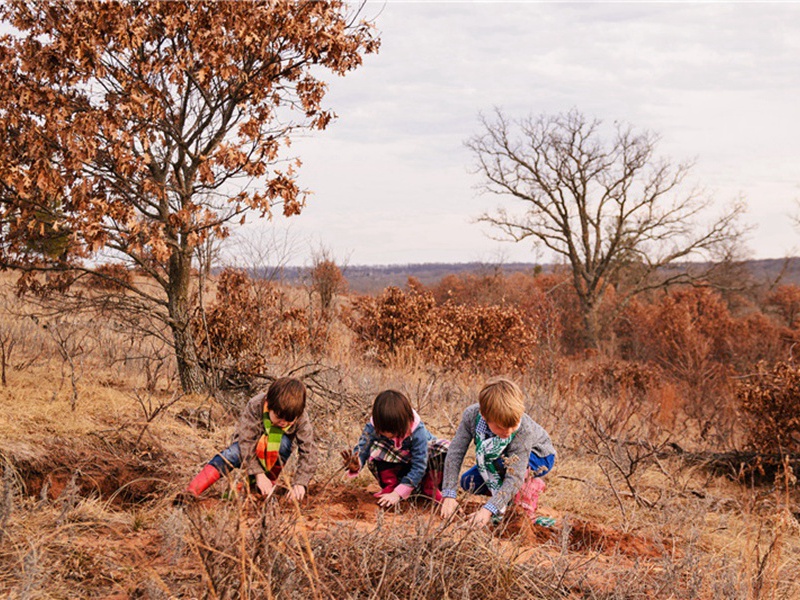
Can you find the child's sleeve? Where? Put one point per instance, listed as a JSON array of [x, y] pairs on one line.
[[455, 453], [307, 456], [249, 430], [419, 462], [364, 443]]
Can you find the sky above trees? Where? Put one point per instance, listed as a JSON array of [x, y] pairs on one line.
[[391, 178]]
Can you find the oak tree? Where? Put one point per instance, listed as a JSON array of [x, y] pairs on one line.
[[134, 130], [602, 201]]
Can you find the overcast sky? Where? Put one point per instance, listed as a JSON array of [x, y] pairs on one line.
[[391, 177]]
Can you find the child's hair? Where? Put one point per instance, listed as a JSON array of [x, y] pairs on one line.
[[501, 402], [286, 397], [392, 413]]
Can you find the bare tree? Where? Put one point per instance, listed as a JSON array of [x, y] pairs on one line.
[[608, 206]]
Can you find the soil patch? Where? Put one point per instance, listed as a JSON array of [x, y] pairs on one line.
[[122, 480], [585, 536]]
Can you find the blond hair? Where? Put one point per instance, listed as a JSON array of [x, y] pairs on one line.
[[501, 402]]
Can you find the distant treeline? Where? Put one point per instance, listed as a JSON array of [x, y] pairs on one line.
[[365, 279]]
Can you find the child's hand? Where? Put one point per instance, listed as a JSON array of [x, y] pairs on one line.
[[296, 492], [264, 485], [350, 461], [480, 518], [387, 500], [449, 506]]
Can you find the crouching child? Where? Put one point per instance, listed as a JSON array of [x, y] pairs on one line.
[[272, 423], [512, 453], [399, 451]]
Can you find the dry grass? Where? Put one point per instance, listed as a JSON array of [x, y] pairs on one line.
[[85, 500]]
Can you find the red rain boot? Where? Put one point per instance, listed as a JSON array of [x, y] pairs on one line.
[[387, 478], [203, 480], [430, 486]]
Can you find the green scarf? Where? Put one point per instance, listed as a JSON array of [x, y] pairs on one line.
[[486, 453], [269, 445]]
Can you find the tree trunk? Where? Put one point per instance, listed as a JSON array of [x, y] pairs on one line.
[[189, 371], [591, 323]]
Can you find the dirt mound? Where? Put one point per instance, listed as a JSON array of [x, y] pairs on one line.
[[585, 536], [121, 478]]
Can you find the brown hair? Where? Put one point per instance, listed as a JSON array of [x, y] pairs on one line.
[[286, 397], [392, 413], [501, 402]]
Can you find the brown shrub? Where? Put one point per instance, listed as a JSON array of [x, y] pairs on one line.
[[397, 323], [688, 333], [770, 402], [393, 321], [546, 302], [327, 280], [785, 302], [756, 338], [249, 322], [489, 337]]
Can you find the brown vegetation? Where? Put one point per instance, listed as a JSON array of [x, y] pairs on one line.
[[95, 441]]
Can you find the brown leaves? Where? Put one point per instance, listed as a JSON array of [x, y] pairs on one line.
[[770, 401], [158, 106], [482, 337], [249, 322]]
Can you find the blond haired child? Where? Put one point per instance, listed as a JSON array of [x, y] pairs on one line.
[[271, 423], [511, 452], [399, 451]]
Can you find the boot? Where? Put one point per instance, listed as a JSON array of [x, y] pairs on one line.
[[528, 496], [388, 480], [430, 487], [203, 480]]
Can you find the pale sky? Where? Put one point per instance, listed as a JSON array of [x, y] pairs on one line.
[[392, 180]]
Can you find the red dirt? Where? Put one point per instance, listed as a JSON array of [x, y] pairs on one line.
[[104, 475], [591, 537], [122, 483]]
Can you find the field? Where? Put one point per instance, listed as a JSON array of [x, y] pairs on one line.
[[96, 440]]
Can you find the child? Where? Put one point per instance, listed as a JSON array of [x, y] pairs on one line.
[[511, 451], [401, 454], [269, 425]]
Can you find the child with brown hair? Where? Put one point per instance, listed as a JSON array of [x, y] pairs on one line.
[[269, 426], [399, 451], [512, 452]]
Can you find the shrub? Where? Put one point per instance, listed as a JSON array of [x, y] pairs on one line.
[[688, 334], [785, 301], [770, 402], [327, 280], [249, 322], [398, 323]]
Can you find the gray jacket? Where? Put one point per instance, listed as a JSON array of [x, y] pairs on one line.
[[530, 437]]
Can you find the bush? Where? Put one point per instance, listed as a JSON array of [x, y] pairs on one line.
[[688, 334], [249, 322], [770, 403], [398, 324]]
